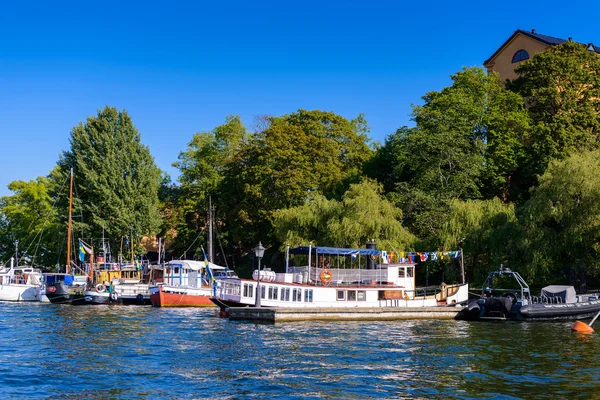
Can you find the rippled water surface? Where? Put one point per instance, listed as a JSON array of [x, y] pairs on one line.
[[90, 352]]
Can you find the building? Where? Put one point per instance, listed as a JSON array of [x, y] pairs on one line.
[[521, 46]]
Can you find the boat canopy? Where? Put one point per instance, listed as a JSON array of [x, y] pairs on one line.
[[194, 265], [566, 293], [336, 251]]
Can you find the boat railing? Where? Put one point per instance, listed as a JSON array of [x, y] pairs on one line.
[[341, 276]]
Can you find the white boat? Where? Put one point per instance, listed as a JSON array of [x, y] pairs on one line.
[[20, 283], [186, 283], [373, 286]]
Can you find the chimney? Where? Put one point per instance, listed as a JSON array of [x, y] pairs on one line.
[[533, 31], [570, 39]]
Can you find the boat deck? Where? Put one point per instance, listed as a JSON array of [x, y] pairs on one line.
[[269, 314]]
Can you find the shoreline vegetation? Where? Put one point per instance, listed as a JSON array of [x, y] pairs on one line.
[[507, 171]]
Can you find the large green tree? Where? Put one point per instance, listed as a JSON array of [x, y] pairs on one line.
[[362, 214], [202, 167], [467, 144], [562, 88], [29, 217], [562, 221], [282, 165], [116, 178]]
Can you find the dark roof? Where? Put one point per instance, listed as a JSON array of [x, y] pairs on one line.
[[336, 251], [549, 40]]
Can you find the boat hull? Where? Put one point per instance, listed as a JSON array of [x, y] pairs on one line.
[[485, 309], [60, 293], [18, 292], [181, 298]]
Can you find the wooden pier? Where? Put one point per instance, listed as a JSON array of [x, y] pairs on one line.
[[341, 314]]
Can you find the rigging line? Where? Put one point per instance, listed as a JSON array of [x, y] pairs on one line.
[[221, 246], [44, 224], [188, 249]]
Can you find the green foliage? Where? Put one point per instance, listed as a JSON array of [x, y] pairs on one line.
[[116, 178], [562, 220], [485, 230], [361, 215], [29, 217], [202, 168], [292, 158], [562, 88]]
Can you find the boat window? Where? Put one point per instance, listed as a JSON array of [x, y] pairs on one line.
[[295, 294], [341, 295], [176, 270], [400, 272], [237, 289], [308, 296], [275, 290], [287, 294], [351, 295], [361, 295], [262, 292], [410, 271], [381, 295]]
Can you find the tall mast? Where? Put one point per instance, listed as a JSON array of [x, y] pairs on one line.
[[210, 230], [68, 269]]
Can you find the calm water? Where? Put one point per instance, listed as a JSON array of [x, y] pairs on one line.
[[90, 352]]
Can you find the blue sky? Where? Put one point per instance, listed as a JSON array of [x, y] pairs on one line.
[[181, 67]]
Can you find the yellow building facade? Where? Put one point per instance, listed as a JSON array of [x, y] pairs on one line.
[[521, 46]]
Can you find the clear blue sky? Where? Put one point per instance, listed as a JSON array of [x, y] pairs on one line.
[[181, 67]]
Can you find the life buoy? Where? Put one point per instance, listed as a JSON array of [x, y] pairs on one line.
[[100, 288], [113, 296], [325, 276]]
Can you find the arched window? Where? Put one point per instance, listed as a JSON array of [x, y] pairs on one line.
[[520, 55]]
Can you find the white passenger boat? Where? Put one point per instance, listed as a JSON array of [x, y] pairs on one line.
[[319, 285], [20, 283]]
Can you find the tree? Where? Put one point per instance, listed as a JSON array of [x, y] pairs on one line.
[[486, 230], [292, 158], [28, 216], [562, 88], [467, 144], [562, 220], [202, 168], [116, 178], [361, 215]]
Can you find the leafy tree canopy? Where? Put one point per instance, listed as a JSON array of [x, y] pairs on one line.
[[562, 88], [293, 157], [562, 220], [28, 216], [116, 178], [361, 215]]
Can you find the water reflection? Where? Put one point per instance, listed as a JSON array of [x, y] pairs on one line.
[[128, 352]]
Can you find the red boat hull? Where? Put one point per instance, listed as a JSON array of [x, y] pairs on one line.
[[164, 299]]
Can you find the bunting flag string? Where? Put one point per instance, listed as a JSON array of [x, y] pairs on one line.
[[423, 256]]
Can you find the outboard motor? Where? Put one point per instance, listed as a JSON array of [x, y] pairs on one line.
[[370, 260]]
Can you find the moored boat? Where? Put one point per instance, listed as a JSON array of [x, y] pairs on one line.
[[20, 283], [187, 283], [317, 285], [554, 301]]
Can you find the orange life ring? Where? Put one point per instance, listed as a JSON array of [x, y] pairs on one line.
[[325, 276]]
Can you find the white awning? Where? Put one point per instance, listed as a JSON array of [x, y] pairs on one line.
[[193, 265]]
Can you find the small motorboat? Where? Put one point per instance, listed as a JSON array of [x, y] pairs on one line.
[[554, 301]]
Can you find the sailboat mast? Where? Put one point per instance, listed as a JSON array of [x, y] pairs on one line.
[[68, 269], [210, 230]]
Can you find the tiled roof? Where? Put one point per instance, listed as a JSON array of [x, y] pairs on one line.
[[549, 40]]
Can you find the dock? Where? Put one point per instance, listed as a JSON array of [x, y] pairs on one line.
[[271, 314]]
